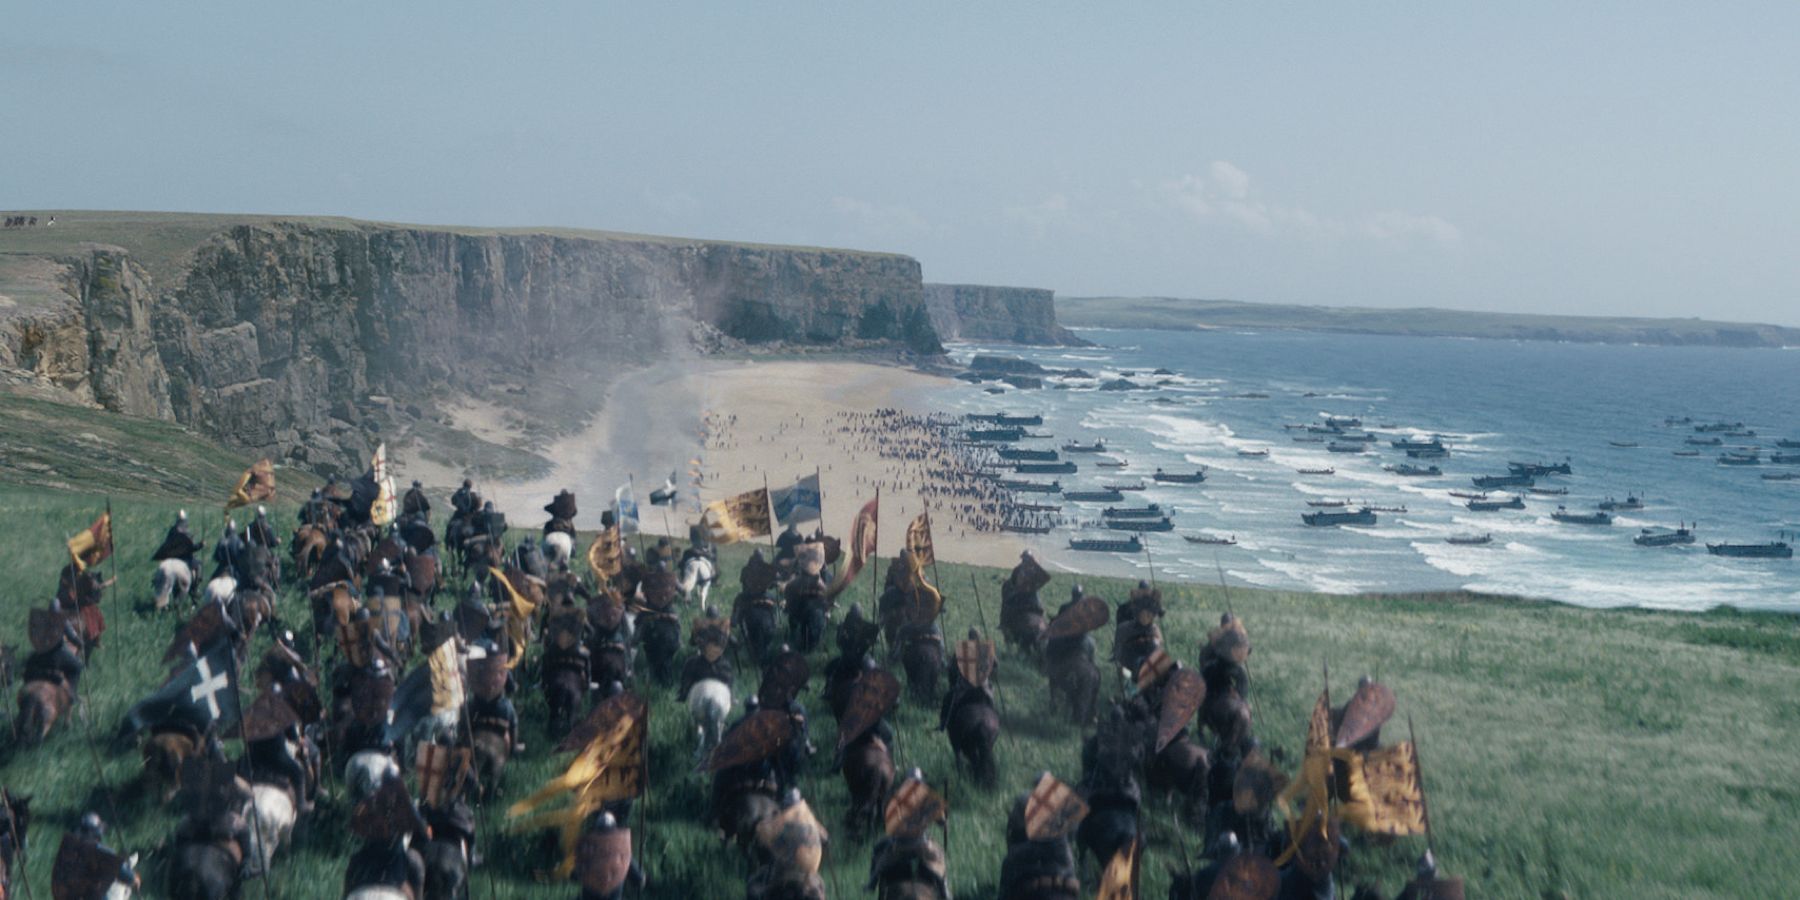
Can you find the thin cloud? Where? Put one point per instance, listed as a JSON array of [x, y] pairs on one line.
[[1225, 194]]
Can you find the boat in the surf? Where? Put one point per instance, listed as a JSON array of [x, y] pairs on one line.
[[1308, 439], [1706, 442], [1107, 545], [1005, 419], [1209, 539], [1328, 504], [1093, 496], [1388, 509], [1740, 458], [1342, 422], [1747, 432], [1781, 476], [995, 435], [1550, 492], [1624, 445], [1412, 471], [1678, 420], [993, 390], [1631, 501], [1416, 442], [1719, 426], [1567, 517], [1029, 487], [1195, 477], [1021, 453], [1435, 453], [1153, 511], [1098, 446], [1770, 550], [1025, 527], [1110, 463], [1469, 495], [1044, 468], [1325, 517], [1137, 486], [1538, 470], [1513, 502], [1253, 454], [1325, 471], [1663, 537], [1344, 447], [1356, 437], [1469, 540], [1689, 454], [1785, 459], [1162, 524], [1037, 507], [1517, 479], [1788, 444]]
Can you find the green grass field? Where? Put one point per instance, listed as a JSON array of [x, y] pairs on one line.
[[1567, 751]]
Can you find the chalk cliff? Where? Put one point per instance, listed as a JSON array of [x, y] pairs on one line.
[[980, 312]]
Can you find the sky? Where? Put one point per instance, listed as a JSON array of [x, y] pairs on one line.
[[1599, 158]]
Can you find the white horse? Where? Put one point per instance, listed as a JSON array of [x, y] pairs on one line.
[[697, 572], [709, 704], [119, 889], [221, 589], [172, 576], [558, 548], [271, 812], [367, 770]]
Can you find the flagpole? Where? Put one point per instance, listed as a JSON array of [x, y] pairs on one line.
[[631, 487], [769, 507], [875, 557], [819, 476], [926, 512], [112, 550], [237, 694], [1419, 768]]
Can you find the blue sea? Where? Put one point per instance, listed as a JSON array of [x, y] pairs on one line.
[[1492, 401]]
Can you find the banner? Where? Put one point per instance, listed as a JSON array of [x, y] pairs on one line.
[[606, 555], [1383, 792], [918, 540], [518, 619], [737, 518], [609, 768], [625, 508], [799, 503], [665, 495], [386, 506], [862, 545], [254, 486], [93, 544]]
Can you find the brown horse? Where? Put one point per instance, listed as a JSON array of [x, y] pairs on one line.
[[492, 746], [307, 549], [973, 727], [868, 774], [41, 703], [163, 754], [1180, 771]]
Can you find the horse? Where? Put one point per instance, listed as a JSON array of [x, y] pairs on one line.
[[172, 576], [367, 770], [490, 748], [759, 624], [558, 548], [221, 589], [163, 755], [806, 620], [743, 810], [697, 573], [660, 633], [868, 775], [565, 686], [422, 578], [1075, 687], [709, 702], [307, 549], [1181, 770], [206, 870], [119, 889], [973, 727], [41, 703], [923, 659], [446, 869], [531, 560]]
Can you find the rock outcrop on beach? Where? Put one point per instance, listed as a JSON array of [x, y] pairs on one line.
[[312, 339], [979, 312]]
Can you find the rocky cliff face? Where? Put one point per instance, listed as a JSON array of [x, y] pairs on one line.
[[299, 339], [987, 313]]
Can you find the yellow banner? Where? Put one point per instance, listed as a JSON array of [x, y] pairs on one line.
[[918, 540], [518, 619], [737, 518], [92, 544], [254, 486], [606, 556], [1384, 795]]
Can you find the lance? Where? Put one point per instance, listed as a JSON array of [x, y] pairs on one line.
[[1419, 767], [769, 510], [237, 694], [999, 707]]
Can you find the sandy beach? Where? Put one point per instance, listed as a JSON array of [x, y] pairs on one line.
[[722, 426]]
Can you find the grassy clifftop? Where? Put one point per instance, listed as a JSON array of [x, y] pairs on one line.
[[1184, 314], [1568, 752]]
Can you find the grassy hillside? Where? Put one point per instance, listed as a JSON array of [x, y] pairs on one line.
[[1185, 314], [1567, 751]]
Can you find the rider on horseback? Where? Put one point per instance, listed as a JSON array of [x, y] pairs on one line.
[[179, 544], [415, 503], [259, 532], [465, 501]]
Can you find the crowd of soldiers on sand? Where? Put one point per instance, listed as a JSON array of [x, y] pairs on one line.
[[391, 712], [923, 456]]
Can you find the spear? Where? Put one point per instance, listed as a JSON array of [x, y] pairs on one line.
[[1424, 807]]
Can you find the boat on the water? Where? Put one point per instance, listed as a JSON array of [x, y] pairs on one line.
[[1389, 509], [1323, 517], [1625, 445], [1566, 517], [1308, 439], [1093, 496], [1107, 545], [1429, 453], [1024, 528], [1706, 442], [1550, 492], [1785, 459], [1664, 537], [1719, 426], [1126, 487], [1021, 453], [1342, 422], [1788, 444], [1740, 459], [1098, 446], [1434, 442], [1005, 419], [1029, 487], [1469, 495], [1770, 550], [1415, 471], [1209, 539], [1516, 479], [1194, 477], [1110, 463], [1135, 512], [1037, 507], [999, 435], [1513, 502], [1781, 476], [1631, 501], [1044, 468], [1254, 454], [1325, 471], [1537, 470], [1469, 540], [1687, 453], [1343, 447], [1163, 524], [1328, 504]]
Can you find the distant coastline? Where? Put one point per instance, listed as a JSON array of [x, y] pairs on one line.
[[1177, 314]]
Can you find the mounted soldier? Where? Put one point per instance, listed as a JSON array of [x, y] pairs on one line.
[[465, 501], [743, 785], [214, 837], [968, 713], [388, 824], [604, 862], [856, 637], [907, 863], [756, 608], [808, 607], [863, 742], [562, 513], [1039, 863], [274, 745], [1136, 632], [711, 637], [179, 544], [260, 532], [85, 868], [793, 845], [414, 504], [1021, 612], [1069, 654]]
